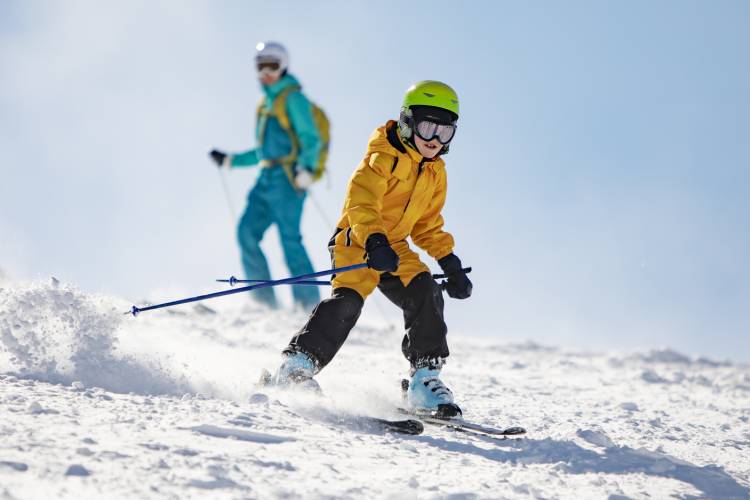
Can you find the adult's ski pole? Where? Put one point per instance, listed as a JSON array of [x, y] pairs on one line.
[[227, 195], [135, 310]]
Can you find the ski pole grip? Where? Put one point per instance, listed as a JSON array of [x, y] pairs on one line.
[[466, 270]]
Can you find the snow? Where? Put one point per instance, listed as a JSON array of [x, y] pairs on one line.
[[242, 435], [97, 403]]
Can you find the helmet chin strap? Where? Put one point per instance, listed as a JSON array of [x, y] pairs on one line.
[[406, 128]]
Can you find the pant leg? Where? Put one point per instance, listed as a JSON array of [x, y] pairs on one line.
[[253, 224], [329, 326], [332, 320], [287, 213], [422, 303]]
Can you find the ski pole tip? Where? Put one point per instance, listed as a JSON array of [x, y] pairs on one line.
[[134, 311]]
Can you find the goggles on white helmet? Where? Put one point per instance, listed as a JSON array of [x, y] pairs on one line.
[[268, 68], [271, 58]]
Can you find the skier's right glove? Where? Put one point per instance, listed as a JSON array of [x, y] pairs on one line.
[[219, 157], [380, 255], [458, 285]]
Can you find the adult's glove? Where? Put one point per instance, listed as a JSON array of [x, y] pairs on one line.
[[303, 179], [380, 255], [458, 285], [219, 157]]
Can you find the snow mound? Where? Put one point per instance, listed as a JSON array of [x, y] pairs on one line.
[[56, 333]]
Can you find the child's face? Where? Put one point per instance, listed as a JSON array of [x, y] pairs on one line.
[[428, 149]]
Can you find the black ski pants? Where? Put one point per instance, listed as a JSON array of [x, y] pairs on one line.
[[422, 304]]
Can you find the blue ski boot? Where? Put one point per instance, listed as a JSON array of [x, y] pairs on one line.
[[426, 393], [297, 370]]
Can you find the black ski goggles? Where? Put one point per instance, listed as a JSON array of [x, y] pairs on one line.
[[268, 66], [428, 130]]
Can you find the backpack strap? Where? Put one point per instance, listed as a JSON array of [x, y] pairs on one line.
[[278, 110], [261, 114], [279, 107]]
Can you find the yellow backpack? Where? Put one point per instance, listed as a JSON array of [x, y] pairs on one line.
[[278, 111]]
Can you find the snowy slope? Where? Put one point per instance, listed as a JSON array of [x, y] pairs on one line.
[[94, 403]]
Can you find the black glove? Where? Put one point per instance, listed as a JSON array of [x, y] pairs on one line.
[[218, 157], [380, 255], [458, 285]]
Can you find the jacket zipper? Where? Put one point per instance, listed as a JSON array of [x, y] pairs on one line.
[[419, 172]]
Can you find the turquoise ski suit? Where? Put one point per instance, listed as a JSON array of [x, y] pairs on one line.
[[274, 199]]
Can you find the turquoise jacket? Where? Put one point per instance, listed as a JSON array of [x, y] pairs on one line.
[[277, 143]]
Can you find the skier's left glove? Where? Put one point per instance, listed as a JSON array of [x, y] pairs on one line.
[[303, 178], [458, 285]]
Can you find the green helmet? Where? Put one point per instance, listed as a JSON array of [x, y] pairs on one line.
[[432, 93]]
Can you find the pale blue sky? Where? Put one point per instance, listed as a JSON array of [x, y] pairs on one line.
[[599, 181]]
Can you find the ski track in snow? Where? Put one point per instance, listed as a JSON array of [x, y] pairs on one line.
[[95, 403]]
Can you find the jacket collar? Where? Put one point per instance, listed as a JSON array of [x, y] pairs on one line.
[[386, 140], [275, 89], [395, 140]]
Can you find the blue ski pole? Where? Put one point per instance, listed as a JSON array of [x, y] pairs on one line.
[[444, 284], [135, 309], [466, 270], [233, 281]]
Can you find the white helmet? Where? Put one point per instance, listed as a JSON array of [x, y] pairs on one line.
[[272, 52]]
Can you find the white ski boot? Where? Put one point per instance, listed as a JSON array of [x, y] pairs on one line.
[[296, 371], [426, 393]]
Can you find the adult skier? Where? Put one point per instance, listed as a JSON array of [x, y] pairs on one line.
[[288, 145], [397, 191]]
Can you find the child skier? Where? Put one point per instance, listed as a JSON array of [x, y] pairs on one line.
[[288, 155], [397, 191]]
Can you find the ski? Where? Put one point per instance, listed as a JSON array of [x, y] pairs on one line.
[[459, 424], [408, 426], [449, 415], [405, 426]]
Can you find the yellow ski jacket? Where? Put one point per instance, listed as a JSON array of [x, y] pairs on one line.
[[397, 192]]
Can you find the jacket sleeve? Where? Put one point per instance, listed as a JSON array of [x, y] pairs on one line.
[[300, 114], [364, 197], [428, 233], [246, 159]]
